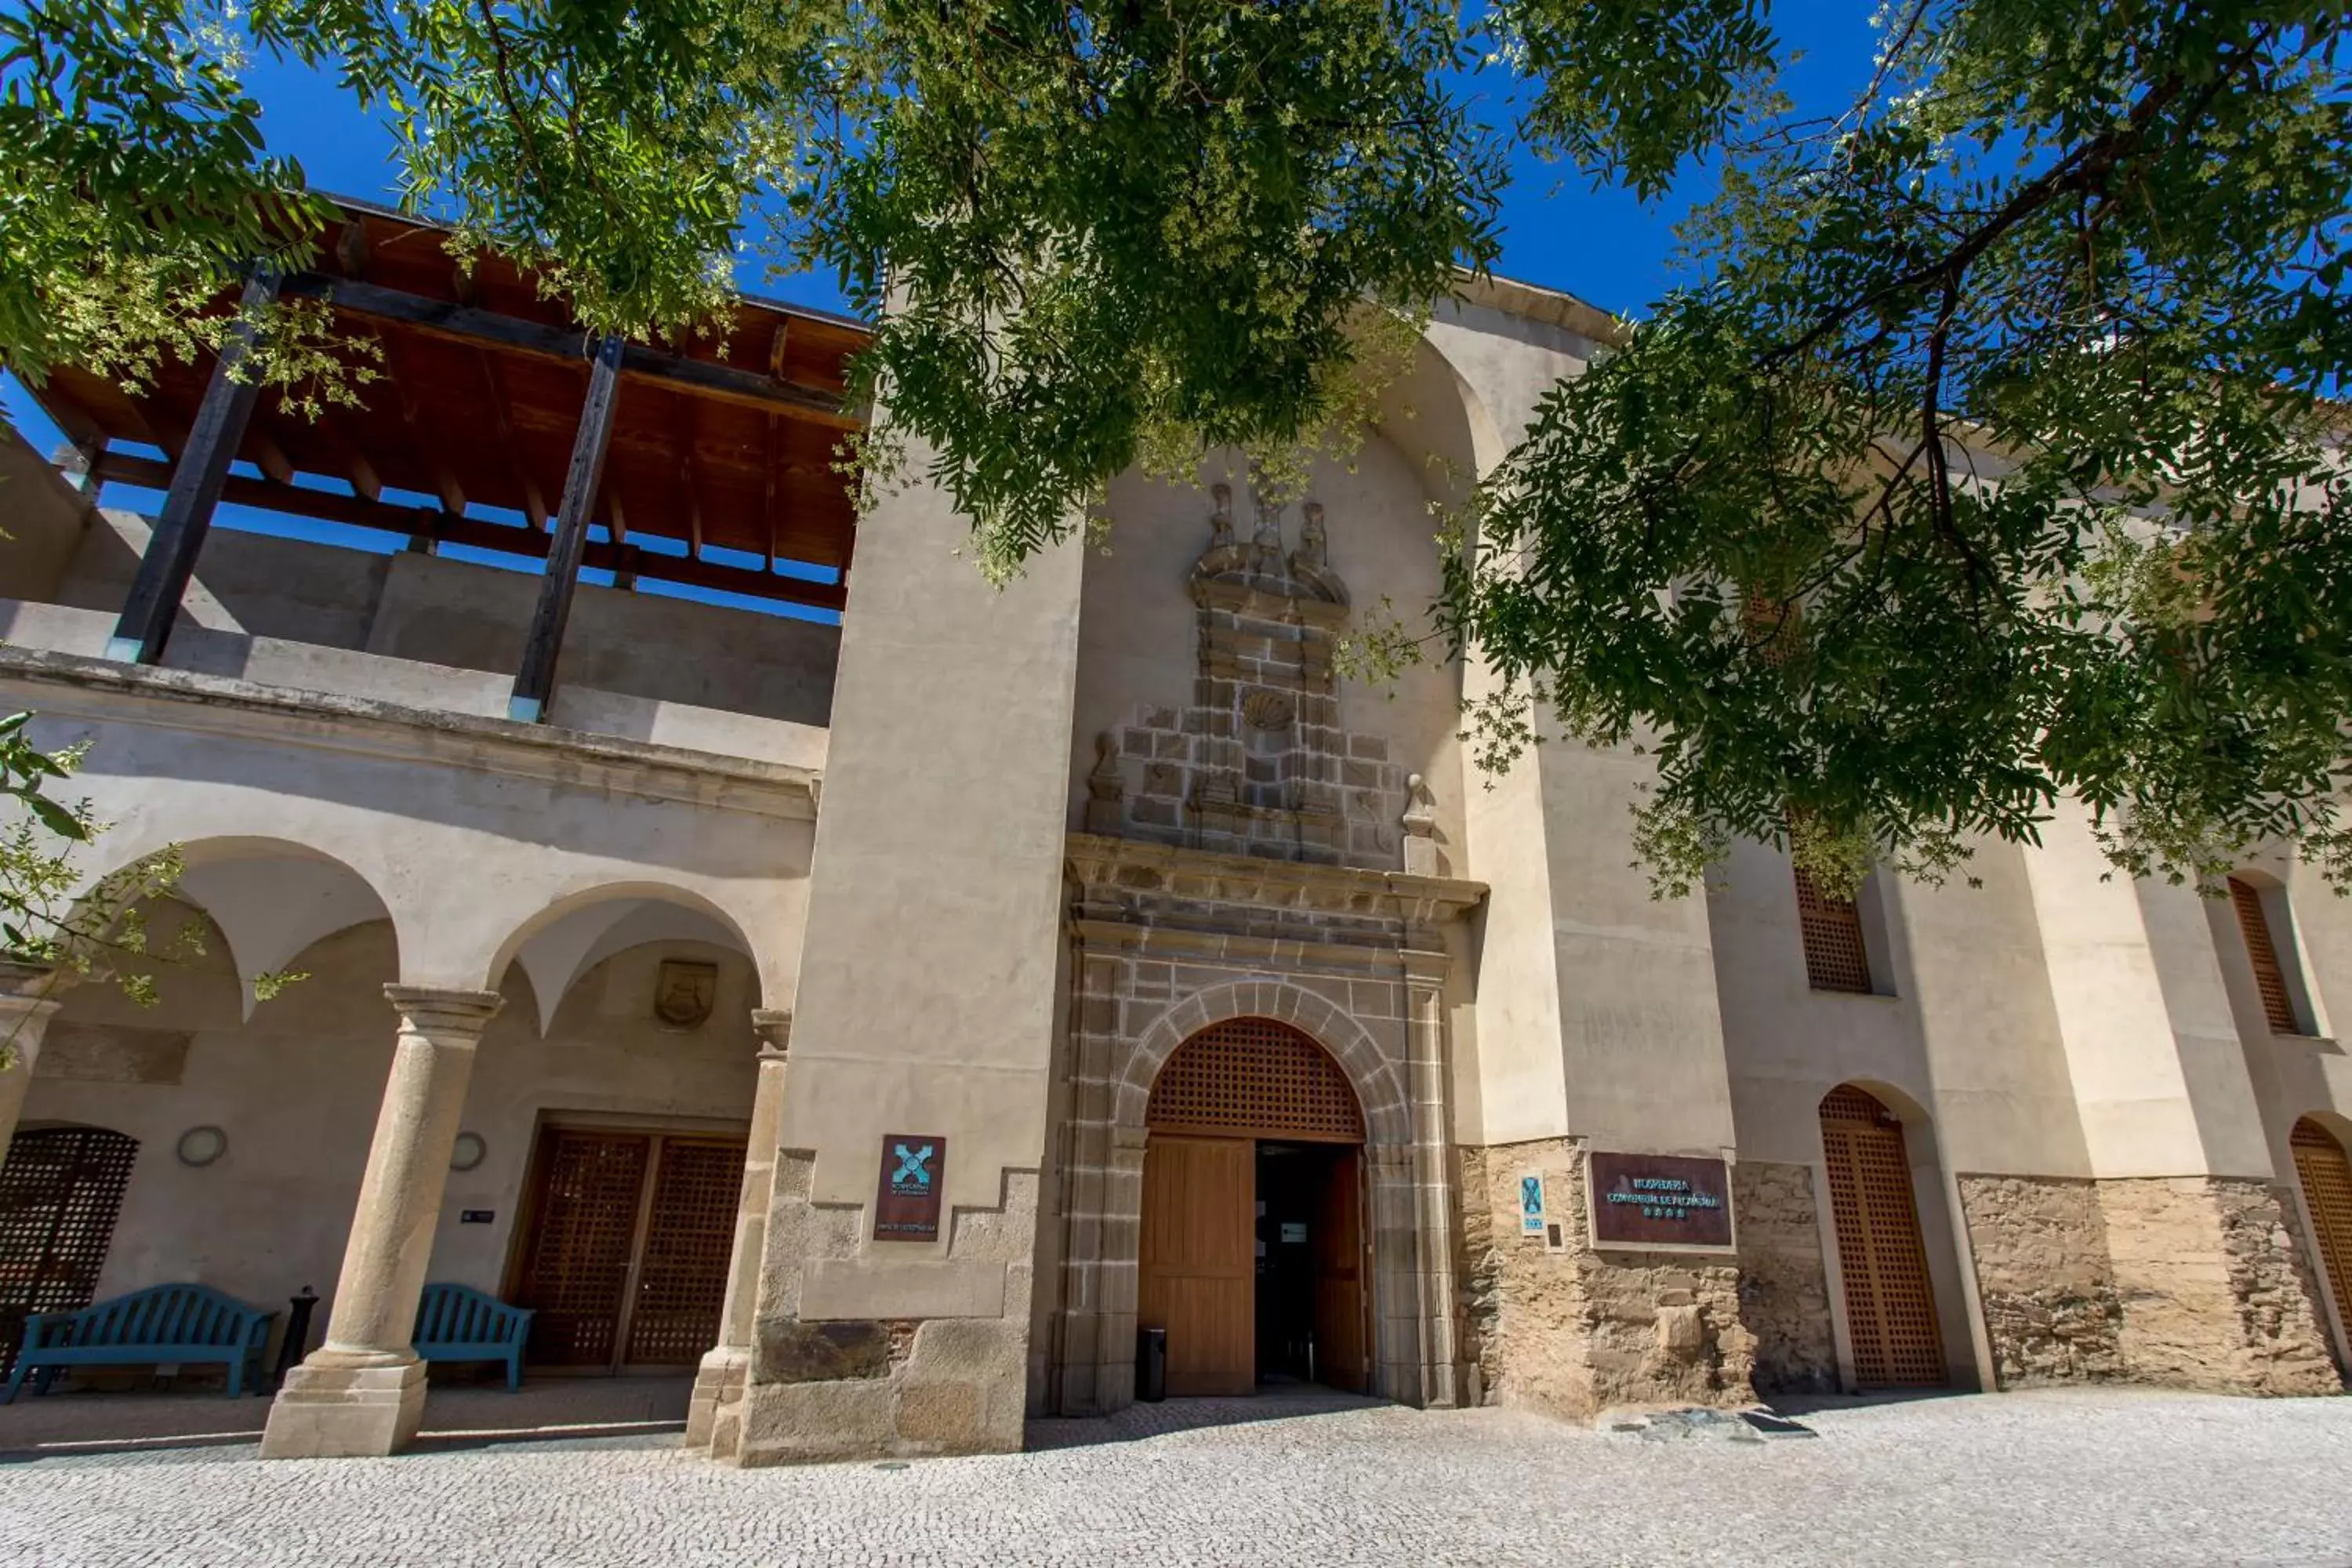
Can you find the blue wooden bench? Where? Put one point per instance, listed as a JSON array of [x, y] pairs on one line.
[[457, 1322], [161, 1325]]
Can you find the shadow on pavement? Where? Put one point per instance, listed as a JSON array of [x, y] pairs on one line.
[[1272, 1402]]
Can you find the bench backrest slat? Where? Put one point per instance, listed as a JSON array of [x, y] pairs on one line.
[[177, 1314], [453, 1314]]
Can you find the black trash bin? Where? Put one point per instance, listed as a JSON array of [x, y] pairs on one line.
[[1151, 1364]]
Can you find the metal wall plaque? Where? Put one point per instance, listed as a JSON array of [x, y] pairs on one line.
[[914, 1174], [1663, 1203]]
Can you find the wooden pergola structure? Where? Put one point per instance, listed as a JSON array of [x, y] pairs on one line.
[[488, 395]]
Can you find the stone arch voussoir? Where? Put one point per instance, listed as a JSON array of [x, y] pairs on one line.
[[1379, 1090]]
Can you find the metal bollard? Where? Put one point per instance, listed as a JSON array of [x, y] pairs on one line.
[[297, 1335]]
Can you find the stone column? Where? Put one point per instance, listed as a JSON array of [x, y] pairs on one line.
[[712, 1417], [362, 1392], [1433, 1183], [27, 1003]]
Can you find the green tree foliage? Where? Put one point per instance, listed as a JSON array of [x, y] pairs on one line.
[[1984, 457]]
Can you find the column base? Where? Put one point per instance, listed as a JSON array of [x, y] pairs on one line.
[[714, 1413], [338, 1404]]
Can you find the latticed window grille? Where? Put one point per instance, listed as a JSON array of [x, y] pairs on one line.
[[2325, 1172], [1835, 958], [2270, 976], [1770, 625], [682, 1283], [1890, 1307], [1259, 1076], [60, 1193]]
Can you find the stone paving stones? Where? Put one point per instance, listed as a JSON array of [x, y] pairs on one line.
[[2088, 1477]]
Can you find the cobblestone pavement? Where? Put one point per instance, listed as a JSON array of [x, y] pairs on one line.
[[2077, 1476]]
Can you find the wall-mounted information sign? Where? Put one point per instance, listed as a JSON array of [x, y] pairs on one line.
[[1531, 1203], [1663, 1203], [914, 1174]]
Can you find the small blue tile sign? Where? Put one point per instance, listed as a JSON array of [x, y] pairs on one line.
[[1531, 1203]]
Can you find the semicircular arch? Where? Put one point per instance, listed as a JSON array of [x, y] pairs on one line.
[[563, 941], [1379, 1090]]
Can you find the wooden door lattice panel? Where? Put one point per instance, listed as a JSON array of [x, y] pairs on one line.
[[1835, 957], [1890, 1306], [1255, 1075], [2262, 949], [60, 1193], [2325, 1172], [682, 1283], [583, 1237]]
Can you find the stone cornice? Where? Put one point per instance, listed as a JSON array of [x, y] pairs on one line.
[[1134, 867], [1534, 302], [69, 686]]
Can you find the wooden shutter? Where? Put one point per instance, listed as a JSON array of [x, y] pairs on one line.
[[682, 1282], [2253, 924], [2326, 1174], [1890, 1307], [1258, 1076], [1835, 958], [60, 1193]]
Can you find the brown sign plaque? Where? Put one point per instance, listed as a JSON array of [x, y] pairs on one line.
[[1659, 1201], [914, 1173]]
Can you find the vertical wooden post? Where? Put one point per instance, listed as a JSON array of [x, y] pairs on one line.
[[196, 480], [535, 685]]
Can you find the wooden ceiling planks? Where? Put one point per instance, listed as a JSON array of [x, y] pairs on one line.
[[728, 441]]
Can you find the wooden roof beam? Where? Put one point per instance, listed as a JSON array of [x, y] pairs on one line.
[[388, 517], [445, 319]]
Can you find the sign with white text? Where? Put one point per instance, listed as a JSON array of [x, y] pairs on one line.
[[914, 1174]]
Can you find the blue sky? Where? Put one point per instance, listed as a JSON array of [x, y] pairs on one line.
[[1602, 245]]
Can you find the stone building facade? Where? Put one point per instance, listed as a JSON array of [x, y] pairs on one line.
[[947, 885]]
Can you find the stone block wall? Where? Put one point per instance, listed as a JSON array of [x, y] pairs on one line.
[[2181, 1282], [826, 1384], [2045, 1278], [1576, 1331], [2215, 1291], [1784, 1290]]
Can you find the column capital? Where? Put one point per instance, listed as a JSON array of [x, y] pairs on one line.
[[774, 1027], [434, 1010]]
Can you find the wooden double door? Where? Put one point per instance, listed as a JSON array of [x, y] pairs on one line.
[[1252, 1258], [627, 1238]]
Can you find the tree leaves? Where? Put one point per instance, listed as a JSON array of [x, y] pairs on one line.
[[2012, 379]]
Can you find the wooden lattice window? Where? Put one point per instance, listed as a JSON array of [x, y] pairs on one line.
[[1890, 1306], [1258, 1076], [60, 1193], [1835, 957], [2270, 976], [2325, 1172], [1770, 626]]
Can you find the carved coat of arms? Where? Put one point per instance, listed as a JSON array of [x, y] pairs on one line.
[[685, 992]]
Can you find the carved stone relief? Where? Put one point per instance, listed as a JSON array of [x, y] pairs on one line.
[[1258, 762]]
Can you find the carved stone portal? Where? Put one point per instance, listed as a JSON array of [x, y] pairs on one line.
[[1258, 764]]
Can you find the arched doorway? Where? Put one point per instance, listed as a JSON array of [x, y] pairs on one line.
[[1890, 1306], [1252, 1247], [60, 1193], [2325, 1172]]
